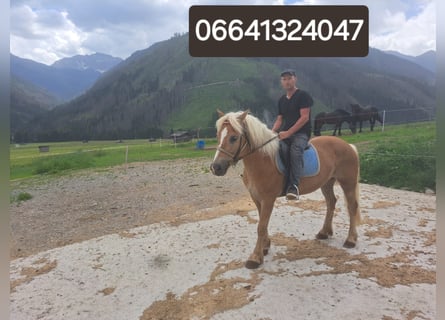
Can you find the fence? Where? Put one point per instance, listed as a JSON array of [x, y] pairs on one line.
[[394, 117], [401, 116]]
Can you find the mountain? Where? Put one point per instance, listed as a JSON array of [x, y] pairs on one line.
[[427, 60], [27, 101], [66, 78], [393, 65], [63, 83], [163, 88], [98, 61], [36, 87]]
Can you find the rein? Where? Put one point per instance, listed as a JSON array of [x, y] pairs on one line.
[[235, 157], [255, 149]]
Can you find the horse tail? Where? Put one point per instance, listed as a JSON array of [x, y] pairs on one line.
[[357, 186], [379, 118], [376, 115]]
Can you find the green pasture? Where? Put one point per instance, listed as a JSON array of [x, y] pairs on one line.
[[401, 156], [27, 161]]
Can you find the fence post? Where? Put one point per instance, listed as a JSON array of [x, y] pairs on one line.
[[383, 123]]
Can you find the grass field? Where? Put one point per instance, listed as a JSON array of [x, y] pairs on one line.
[[27, 161], [402, 156]]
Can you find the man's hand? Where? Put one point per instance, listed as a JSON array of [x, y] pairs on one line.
[[304, 117], [284, 135]]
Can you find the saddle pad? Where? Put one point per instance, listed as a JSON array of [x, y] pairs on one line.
[[311, 162]]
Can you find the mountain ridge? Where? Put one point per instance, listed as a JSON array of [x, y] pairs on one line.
[[97, 61], [427, 59], [65, 78], [162, 88]]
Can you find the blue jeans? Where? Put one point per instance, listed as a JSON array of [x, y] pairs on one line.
[[293, 148]]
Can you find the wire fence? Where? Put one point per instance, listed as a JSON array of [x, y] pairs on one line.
[[402, 116], [401, 155], [390, 118]]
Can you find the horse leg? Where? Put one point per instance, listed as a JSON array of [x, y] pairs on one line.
[[331, 200], [372, 123], [266, 240], [263, 241], [361, 123], [351, 191]]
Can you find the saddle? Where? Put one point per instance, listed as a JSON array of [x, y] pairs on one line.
[[311, 162]]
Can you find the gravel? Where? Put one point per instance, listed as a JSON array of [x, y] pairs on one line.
[[91, 203]]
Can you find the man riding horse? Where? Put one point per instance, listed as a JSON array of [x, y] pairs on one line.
[[293, 125]]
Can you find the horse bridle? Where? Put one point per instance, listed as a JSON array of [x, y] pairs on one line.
[[235, 156]]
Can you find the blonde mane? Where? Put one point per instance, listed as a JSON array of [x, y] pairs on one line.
[[256, 131]]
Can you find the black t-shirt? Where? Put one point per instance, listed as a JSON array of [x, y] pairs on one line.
[[290, 110]]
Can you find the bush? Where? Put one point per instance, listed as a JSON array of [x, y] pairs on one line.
[[56, 164], [23, 196], [99, 153]]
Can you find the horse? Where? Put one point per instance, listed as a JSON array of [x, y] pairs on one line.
[[337, 117], [242, 136], [363, 114]]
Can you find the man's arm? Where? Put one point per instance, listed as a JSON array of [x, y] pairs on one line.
[[277, 124], [304, 117]]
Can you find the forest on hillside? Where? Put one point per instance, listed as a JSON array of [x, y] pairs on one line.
[[162, 88]]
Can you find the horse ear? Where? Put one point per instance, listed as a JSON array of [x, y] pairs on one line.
[[243, 115], [220, 113]]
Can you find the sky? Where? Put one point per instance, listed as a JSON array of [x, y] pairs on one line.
[[48, 30]]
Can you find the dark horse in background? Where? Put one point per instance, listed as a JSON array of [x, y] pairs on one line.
[[360, 114], [337, 117]]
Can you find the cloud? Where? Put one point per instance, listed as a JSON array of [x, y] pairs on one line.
[[48, 30], [407, 26], [43, 35], [417, 35]]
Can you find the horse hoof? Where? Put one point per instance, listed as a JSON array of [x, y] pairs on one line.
[[321, 236], [250, 264], [349, 244]]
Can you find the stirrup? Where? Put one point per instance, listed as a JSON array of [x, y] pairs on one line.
[[291, 195]]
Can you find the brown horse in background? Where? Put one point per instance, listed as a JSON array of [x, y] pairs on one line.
[[337, 117], [363, 114], [243, 137]]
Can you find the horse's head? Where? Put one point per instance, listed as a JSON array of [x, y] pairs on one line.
[[353, 125], [355, 108], [231, 141]]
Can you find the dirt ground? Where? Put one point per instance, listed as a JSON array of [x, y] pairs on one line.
[[89, 204], [167, 240]]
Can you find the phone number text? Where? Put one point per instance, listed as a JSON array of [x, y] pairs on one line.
[[278, 30]]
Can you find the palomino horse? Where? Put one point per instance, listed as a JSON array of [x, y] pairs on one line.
[[242, 136], [337, 117], [363, 114]]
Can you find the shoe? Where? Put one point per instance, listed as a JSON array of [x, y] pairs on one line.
[[292, 193]]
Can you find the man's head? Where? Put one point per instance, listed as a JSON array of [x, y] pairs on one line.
[[288, 79]]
